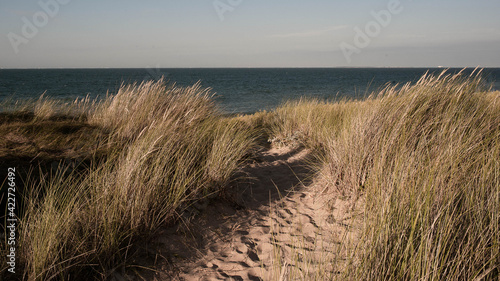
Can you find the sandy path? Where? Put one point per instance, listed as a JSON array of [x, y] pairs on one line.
[[283, 230]]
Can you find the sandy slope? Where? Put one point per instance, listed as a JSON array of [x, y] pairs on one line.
[[281, 229]]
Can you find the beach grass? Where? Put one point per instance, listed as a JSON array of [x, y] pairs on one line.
[[164, 147], [421, 160], [424, 159]]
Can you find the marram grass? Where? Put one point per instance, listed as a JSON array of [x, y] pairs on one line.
[[167, 146], [425, 159]]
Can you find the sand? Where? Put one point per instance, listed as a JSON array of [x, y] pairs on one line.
[[280, 229]]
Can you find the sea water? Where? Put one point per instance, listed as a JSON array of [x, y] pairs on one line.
[[237, 90]]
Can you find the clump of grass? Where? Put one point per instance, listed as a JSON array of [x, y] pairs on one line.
[[327, 128], [45, 108], [228, 134], [432, 183], [137, 106], [310, 122], [424, 158], [49, 230], [170, 146], [48, 108]]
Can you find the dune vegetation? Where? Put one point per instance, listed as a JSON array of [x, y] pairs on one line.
[[156, 149], [422, 159]]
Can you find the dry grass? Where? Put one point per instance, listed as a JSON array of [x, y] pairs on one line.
[[165, 147], [149, 104], [432, 183], [425, 159]]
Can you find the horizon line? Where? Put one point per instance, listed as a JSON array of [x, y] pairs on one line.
[[249, 67]]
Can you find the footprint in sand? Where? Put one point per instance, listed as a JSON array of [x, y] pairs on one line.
[[264, 232]]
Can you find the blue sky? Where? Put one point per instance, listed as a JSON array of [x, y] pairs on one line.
[[248, 33]]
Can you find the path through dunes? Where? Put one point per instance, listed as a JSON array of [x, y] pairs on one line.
[[283, 230]]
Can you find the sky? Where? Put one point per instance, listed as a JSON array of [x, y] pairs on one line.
[[248, 33]]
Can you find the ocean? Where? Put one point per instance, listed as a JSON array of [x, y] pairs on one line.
[[237, 90]]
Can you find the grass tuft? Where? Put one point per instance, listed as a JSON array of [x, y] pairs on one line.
[[164, 147], [424, 158]]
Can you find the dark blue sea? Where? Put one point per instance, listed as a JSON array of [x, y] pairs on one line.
[[238, 90]]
